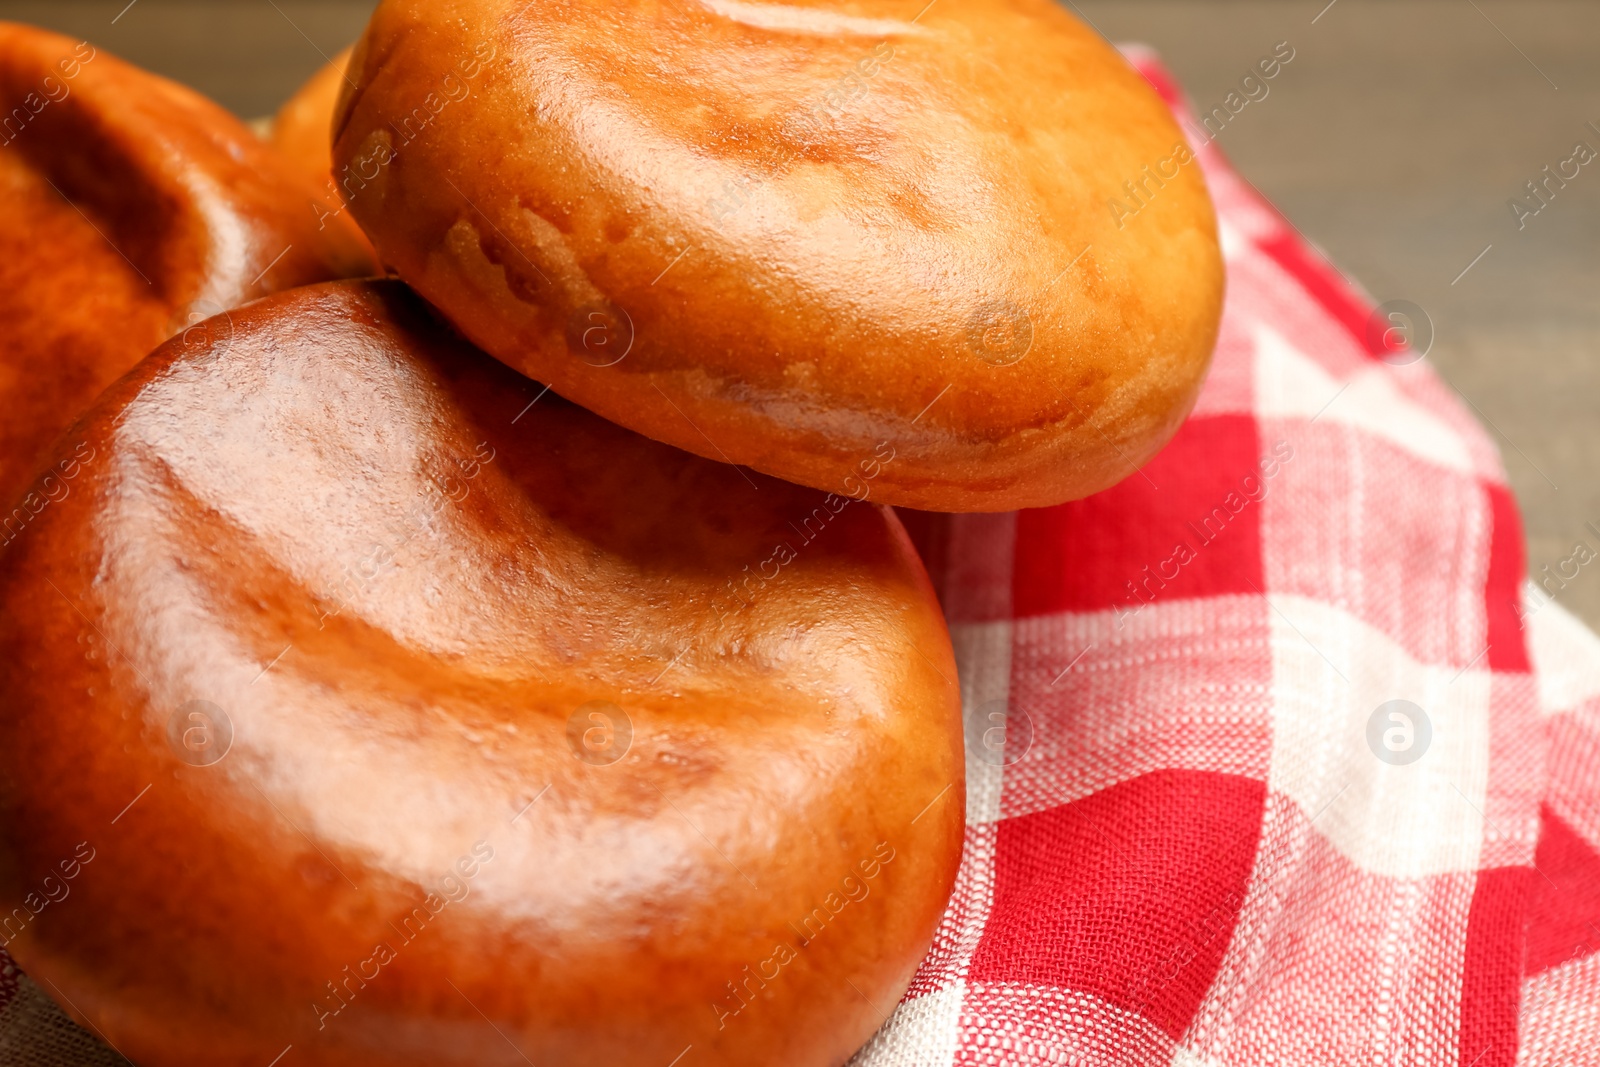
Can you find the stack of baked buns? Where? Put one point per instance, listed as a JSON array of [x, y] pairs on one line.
[[451, 611]]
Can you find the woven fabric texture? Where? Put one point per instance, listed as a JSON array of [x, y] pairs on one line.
[[1274, 756]]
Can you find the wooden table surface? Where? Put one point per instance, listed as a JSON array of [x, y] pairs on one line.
[[1394, 140]]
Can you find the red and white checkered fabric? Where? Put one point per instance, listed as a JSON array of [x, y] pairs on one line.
[[1199, 860]]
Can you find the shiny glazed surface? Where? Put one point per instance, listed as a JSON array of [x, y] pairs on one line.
[[130, 209], [781, 234], [335, 547]]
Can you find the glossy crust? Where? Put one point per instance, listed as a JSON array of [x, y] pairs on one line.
[[784, 234], [130, 209], [397, 583]]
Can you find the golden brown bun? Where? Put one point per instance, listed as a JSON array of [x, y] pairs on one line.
[[302, 130], [401, 588], [784, 234], [130, 209]]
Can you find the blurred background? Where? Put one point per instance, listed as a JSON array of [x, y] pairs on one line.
[[1394, 140]]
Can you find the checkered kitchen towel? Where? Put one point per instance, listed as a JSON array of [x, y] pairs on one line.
[[1272, 757]]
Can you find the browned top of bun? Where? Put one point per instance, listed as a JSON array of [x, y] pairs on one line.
[[402, 589], [811, 229], [130, 208]]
